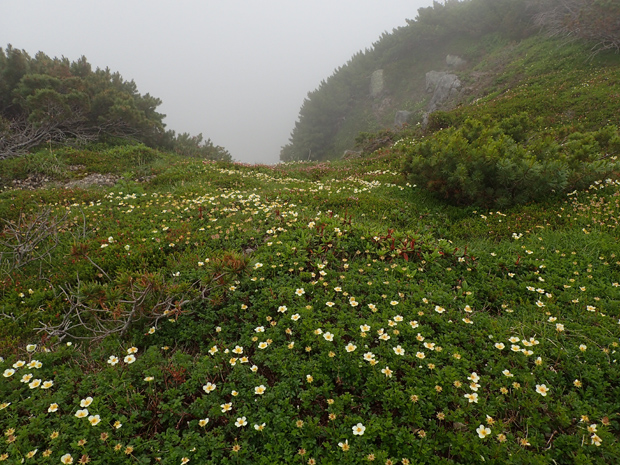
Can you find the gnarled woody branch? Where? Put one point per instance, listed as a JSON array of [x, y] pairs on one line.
[[29, 239], [145, 298], [93, 314], [591, 20], [19, 135]]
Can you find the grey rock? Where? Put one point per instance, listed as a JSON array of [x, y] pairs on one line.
[[350, 154], [401, 118], [447, 87], [432, 78], [376, 83], [454, 61]]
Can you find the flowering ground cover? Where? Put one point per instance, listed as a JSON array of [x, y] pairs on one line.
[[306, 313]]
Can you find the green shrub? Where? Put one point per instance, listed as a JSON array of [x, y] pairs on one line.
[[506, 163], [45, 162], [136, 155]]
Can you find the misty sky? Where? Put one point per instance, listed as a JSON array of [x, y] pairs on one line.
[[235, 70]]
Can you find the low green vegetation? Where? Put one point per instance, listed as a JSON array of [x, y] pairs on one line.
[[511, 162], [449, 296], [302, 313]]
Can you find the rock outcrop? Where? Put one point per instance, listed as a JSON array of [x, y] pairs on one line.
[[376, 83], [446, 86], [454, 61], [401, 118]]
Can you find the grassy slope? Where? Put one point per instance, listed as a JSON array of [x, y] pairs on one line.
[[352, 233]]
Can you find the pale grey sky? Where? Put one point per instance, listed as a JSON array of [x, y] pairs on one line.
[[235, 70]]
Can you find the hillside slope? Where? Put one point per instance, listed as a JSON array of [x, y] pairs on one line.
[[450, 56], [311, 312], [160, 308]]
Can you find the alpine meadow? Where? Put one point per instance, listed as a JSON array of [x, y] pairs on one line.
[[445, 292]]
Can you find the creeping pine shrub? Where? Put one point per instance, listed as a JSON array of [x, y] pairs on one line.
[[507, 163]]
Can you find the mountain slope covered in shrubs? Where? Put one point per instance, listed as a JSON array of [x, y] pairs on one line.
[[450, 296]]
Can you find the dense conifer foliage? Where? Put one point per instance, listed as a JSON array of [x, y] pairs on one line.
[[54, 100]]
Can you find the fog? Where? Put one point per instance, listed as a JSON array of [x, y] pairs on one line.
[[236, 71]]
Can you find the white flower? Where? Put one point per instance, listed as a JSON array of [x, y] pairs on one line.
[[398, 350], [86, 402], [483, 431], [82, 413], [473, 398], [260, 390], [203, 422], [358, 430], [350, 347], [542, 389], [31, 347], [209, 387], [113, 360], [94, 420], [241, 422], [369, 356], [34, 384], [129, 359]]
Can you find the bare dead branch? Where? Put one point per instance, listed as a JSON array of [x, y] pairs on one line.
[[29, 239], [581, 19]]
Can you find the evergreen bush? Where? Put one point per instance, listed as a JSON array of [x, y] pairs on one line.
[[507, 163]]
